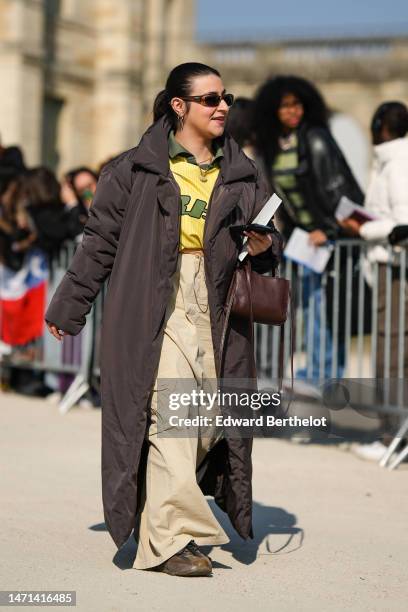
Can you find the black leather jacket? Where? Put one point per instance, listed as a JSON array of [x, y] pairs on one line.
[[323, 178]]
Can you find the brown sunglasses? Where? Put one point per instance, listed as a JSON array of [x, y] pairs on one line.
[[211, 99]]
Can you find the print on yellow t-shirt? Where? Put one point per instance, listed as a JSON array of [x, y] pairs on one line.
[[195, 196]]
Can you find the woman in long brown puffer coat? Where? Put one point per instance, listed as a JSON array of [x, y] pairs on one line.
[[159, 227]]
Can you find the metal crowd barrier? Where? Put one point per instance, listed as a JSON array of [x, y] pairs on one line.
[[348, 273], [362, 306], [358, 321]]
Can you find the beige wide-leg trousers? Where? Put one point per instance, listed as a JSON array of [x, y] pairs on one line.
[[174, 510]]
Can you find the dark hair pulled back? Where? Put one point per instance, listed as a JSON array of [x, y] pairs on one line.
[[178, 85]]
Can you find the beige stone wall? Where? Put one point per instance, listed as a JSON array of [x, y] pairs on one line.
[[117, 73], [355, 76], [21, 75], [361, 99], [105, 60], [168, 41]]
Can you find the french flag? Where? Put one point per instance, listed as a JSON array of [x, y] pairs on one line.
[[23, 297]]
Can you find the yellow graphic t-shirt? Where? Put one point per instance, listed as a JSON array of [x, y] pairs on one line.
[[195, 193]]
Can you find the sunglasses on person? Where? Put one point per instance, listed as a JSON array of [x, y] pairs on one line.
[[212, 99]]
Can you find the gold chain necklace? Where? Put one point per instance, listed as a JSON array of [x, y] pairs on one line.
[[203, 171]]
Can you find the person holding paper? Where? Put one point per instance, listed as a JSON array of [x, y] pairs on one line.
[[309, 172], [387, 201], [387, 194]]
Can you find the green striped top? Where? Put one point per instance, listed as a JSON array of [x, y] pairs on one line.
[[284, 174]]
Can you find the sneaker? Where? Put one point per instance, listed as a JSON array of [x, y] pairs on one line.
[[371, 452]]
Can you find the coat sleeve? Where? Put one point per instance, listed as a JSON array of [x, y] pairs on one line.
[[377, 230], [332, 177], [269, 259], [397, 203], [93, 260], [397, 182]]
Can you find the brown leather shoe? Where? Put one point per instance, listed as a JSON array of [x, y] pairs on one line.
[[185, 563], [192, 547]]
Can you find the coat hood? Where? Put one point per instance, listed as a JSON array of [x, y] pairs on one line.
[[152, 154]]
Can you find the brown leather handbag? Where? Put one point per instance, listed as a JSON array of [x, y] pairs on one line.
[[260, 299]]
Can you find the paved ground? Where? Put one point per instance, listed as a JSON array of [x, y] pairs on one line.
[[331, 531]]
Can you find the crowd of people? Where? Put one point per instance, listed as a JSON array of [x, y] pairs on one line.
[[285, 129], [38, 215]]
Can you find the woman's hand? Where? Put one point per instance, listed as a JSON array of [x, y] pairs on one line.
[[57, 333], [317, 238], [68, 195], [350, 226], [258, 243]]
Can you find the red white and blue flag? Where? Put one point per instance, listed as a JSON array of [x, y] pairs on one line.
[[23, 300]]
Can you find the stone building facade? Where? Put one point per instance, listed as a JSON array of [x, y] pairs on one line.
[[78, 77], [355, 74]]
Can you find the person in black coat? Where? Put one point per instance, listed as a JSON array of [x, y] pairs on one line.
[[46, 214], [307, 169], [32, 216], [33, 220]]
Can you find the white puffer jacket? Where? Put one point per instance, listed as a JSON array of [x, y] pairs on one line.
[[387, 194]]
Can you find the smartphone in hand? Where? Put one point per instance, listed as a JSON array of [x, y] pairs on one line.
[[251, 227]]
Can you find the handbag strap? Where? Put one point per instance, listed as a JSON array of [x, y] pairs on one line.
[[230, 301], [281, 364], [248, 270], [291, 352]]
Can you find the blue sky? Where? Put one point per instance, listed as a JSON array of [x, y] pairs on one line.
[[240, 18]]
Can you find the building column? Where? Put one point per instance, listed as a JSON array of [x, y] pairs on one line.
[[180, 32], [21, 76], [118, 66]]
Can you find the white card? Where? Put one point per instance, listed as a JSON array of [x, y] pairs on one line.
[[347, 207], [262, 218], [300, 250]]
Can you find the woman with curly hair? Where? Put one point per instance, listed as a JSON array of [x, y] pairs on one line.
[[306, 167]]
